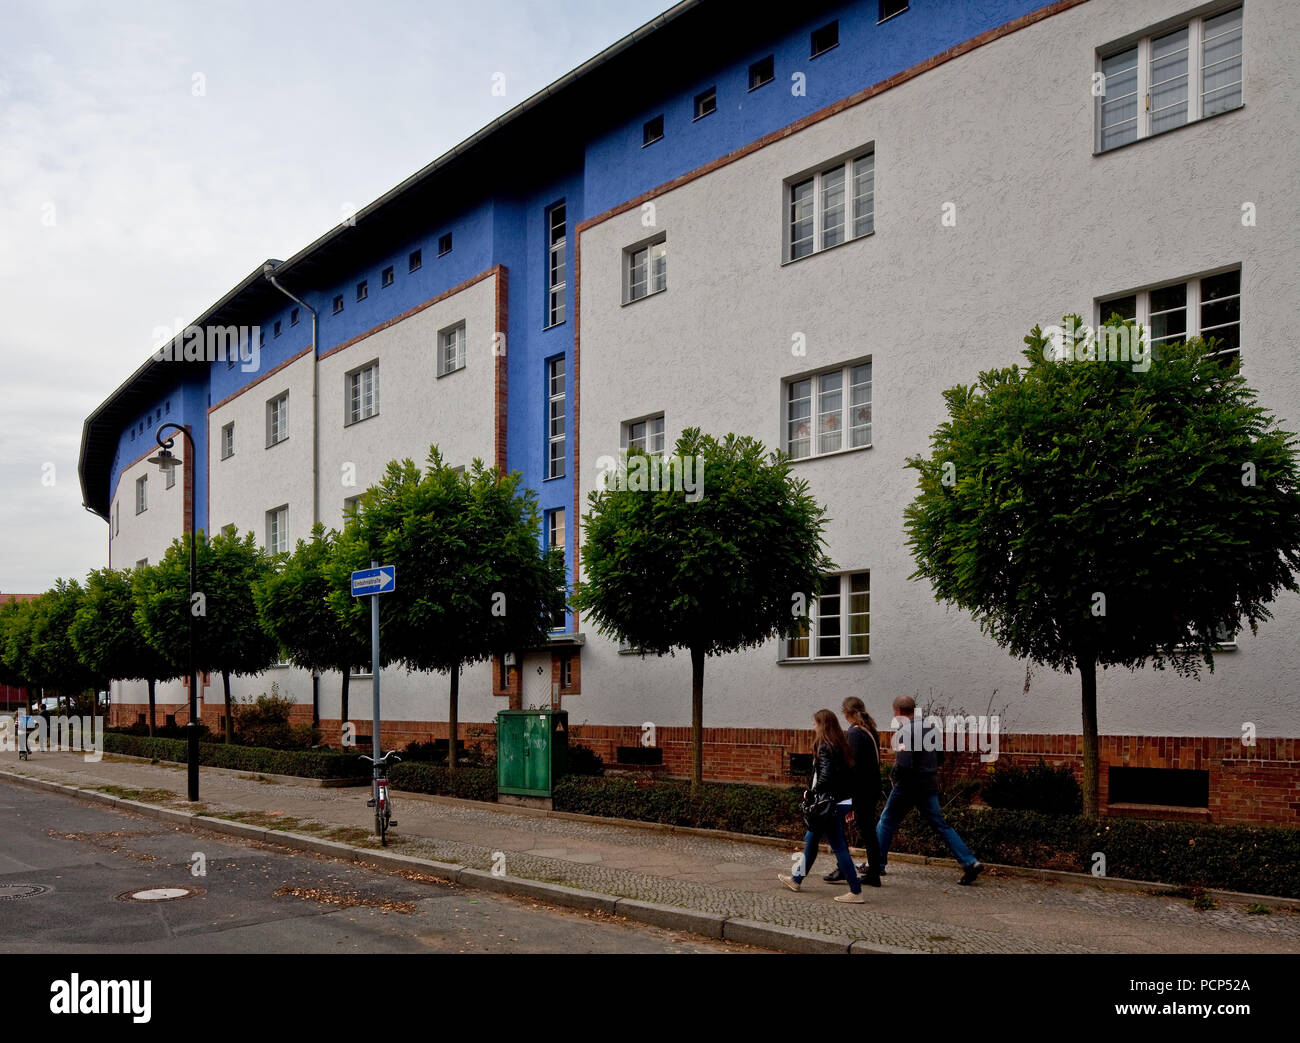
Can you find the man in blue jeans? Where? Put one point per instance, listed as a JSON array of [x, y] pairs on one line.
[[915, 778]]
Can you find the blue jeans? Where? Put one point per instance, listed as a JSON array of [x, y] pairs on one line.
[[833, 831], [902, 801]]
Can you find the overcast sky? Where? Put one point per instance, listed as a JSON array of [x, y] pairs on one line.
[[153, 154]]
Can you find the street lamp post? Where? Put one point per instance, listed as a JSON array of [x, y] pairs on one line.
[[166, 462]]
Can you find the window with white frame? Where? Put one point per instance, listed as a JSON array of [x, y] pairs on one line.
[[230, 530], [351, 506], [839, 620], [451, 349], [228, 440], [1168, 79], [831, 206], [143, 563], [557, 269], [362, 387], [277, 419], [647, 434], [1208, 307], [555, 409], [277, 530], [555, 541], [645, 270], [828, 412], [142, 494]]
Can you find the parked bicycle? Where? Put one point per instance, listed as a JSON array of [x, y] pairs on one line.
[[379, 799]]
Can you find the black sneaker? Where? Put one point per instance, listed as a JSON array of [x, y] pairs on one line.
[[835, 877], [970, 873]]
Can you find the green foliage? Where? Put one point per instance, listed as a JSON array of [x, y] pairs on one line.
[[47, 655], [1053, 791], [720, 573], [107, 637], [16, 665], [294, 604], [308, 764], [583, 760], [264, 721], [468, 783], [1254, 859], [1065, 479], [756, 810], [228, 636], [472, 577]]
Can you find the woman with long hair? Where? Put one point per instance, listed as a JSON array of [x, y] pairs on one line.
[[833, 776], [864, 741]]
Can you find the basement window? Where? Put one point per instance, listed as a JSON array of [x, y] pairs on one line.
[[1167, 787]]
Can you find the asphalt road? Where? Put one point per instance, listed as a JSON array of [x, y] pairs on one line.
[[256, 898]]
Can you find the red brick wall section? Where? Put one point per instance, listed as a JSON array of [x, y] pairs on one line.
[[1249, 785]]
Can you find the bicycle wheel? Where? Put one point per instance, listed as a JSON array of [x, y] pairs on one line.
[[381, 827]]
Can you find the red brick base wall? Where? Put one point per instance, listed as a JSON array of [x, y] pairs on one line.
[[1249, 785]]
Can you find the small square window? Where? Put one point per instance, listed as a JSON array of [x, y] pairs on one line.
[[444, 244], [413, 261], [277, 327], [761, 72], [363, 290], [293, 317], [825, 38], [706, 102], [338, 304], [889, 8], [386, 277], [652, 131]]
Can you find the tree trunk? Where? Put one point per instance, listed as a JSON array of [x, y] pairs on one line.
[[697, 717], [1088, 675], [343, 711], [453, 720], [230, 717], [153, 705]]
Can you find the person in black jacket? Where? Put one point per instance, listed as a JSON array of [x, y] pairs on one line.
[[916, 785], [864, 744], [833, 774]]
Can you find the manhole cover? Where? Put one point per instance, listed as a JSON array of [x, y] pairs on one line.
[[160, 894], [21, 890]]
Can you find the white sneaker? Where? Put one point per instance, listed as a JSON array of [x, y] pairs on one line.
[[850, 898], [790, 882]]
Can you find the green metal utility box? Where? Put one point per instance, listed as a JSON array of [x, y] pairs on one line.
[[532, 751]]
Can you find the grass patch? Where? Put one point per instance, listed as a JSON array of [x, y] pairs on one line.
[[143, 796]]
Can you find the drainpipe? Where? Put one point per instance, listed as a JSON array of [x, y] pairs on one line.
[[268, 270]]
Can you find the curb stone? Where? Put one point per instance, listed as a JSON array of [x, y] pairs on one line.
[[788, 939], [559, 894], [671, 916]]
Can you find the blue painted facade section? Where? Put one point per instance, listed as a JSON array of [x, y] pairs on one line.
[[513, 231], [619, 167]]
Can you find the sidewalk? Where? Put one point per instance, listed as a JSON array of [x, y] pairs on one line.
[[919, 909]]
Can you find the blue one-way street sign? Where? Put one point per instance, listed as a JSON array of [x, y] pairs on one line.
[[381, 580]]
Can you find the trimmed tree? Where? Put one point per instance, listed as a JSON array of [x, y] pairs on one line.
[[1098, 513], [108, 639], [473, 579], [729, 566], [228, 634], [15, 643], [51, 656], [293, 601]]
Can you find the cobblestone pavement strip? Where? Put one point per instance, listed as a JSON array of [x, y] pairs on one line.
[[920, 907]]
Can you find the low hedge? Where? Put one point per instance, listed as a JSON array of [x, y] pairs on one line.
[[308, 764], [737, 808], [1255, 859], [469, 783]]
